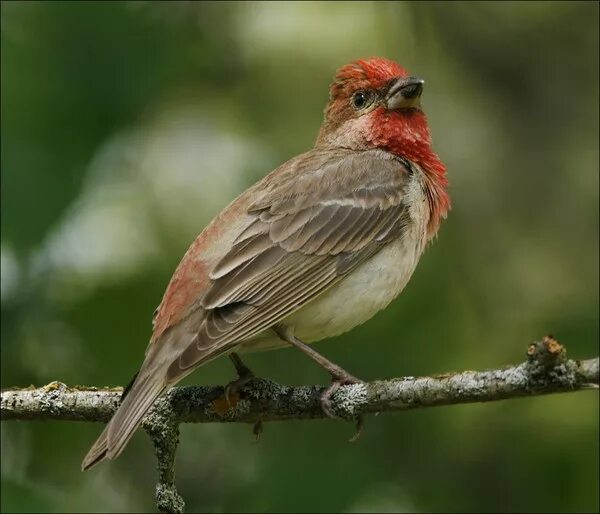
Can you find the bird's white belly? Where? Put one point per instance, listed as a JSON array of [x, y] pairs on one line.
[[354, 300]]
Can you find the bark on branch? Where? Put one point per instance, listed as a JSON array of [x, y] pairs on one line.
[[547, 370]]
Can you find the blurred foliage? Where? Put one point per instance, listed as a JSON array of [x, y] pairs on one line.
[[127, 126]]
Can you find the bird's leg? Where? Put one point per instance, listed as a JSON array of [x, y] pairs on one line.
[[339, 376], [244, 376], [243, 371]]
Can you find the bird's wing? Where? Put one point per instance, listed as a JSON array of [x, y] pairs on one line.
[[316, 220]]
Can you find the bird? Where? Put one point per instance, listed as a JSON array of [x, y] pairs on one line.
[[313, 249]]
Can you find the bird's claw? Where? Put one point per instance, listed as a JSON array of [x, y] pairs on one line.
[[257, 430], [359, 427], [235, 385], [337, 381], [244, 376]]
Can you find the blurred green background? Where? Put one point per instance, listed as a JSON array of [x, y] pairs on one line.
[[127, 126]]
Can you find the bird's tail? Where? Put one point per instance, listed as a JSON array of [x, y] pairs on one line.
[[148, 385]]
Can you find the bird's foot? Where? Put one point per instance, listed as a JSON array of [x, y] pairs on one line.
[[337, 380], [340, 379], [339, 376], [244, 376]]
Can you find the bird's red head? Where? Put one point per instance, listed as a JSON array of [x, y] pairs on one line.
[[375, 103]]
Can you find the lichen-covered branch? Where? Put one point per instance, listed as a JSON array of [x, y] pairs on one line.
[[265, 400], [547, 370], [163, 429]]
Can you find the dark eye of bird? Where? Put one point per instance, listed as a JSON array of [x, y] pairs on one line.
[[360, 99]]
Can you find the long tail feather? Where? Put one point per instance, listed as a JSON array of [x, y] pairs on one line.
[[146, 388], [97, 452]]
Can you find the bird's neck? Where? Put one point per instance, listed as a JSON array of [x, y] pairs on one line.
[[407, 135]]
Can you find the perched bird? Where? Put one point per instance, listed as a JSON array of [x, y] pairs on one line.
[[315, 248]]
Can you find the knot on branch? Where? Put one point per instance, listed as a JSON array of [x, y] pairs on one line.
[[50, 397], [548, 352], [547, 362]]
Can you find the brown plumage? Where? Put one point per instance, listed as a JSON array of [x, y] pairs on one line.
[[290, 243]]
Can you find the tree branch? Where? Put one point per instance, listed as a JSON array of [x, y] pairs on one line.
[[547, 370]]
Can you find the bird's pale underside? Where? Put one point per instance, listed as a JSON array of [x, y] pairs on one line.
[[315, 248]]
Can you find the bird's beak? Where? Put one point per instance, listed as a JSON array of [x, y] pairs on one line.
[[405, 93]]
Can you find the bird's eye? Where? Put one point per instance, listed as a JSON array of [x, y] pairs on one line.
[[360, 99]]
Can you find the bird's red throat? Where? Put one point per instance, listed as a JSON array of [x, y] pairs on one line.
[[407, 135]]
